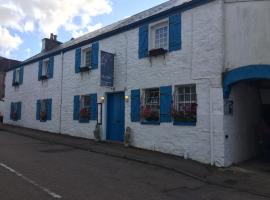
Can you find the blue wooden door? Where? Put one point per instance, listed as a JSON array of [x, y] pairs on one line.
[[116, 116]]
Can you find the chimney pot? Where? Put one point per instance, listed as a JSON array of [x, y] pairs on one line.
[[55, 37], [51, 37]]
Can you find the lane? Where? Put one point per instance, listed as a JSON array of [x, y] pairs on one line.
[[79, 175]]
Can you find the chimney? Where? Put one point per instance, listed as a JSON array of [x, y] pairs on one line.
[[49, 44]]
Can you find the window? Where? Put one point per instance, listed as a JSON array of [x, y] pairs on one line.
[[84, 106], [86, 57], [150, 110], [17, 75], [15, 112], [45, 68], [185, 104], [43, 110], [160, 35]]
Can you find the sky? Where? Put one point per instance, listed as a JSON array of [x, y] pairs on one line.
[[24, 23]]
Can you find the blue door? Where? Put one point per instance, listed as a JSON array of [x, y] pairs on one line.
[[116, 116]]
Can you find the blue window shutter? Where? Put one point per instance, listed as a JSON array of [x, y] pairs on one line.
[[175, 32], [50, 67], [165, 103], [21, 75], [49, 109], [39, 70], [14, 76], [94, 55], [11, 110], [77, 60], [143, 41], [38, 110], [19, 110], [76, 108], [93, 107], [135, 105]]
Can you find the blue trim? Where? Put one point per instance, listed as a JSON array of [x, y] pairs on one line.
[[250, 72], [184, 123], [181, 8], [150, 122]]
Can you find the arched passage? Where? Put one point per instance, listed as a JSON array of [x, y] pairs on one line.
[[247, 88]]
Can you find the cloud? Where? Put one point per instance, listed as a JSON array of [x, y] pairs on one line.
[[8, 42], [48, 17]]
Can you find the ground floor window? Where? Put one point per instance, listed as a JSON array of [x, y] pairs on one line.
[[150, 109], [84, 106], [44, 110], [185, 104], [15, 112]]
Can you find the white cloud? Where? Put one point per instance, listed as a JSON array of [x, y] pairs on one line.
[[48, 17], [8, 42]]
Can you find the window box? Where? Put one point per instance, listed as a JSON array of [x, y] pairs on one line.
[[44, 77], [16, 83], [43, 116], [14, 116], [84, 113], [157, 52], [85, 69]]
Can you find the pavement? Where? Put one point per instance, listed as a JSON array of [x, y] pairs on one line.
[[41, 165]]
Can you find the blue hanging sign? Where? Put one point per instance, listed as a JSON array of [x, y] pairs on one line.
[[107, 69]]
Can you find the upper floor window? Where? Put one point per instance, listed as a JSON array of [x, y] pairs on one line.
[[17, 76], [45, 67], [159, 35], [185, 104], [86, 57], [150, 109]]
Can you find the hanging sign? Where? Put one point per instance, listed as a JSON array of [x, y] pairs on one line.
[[107, 69]]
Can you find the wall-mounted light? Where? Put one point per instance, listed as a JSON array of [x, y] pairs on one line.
[[102, 99], [126, 98]]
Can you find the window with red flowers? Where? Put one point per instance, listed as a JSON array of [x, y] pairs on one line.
[[185, 104], [84, 106], [150, 109]]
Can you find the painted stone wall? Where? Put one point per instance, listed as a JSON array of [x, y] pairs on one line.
[[247, 31], [198, 62]]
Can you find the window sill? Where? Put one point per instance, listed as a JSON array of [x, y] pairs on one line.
[[184, 123], [150, 123]]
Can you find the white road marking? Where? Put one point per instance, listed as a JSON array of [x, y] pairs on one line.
[[52, 194]]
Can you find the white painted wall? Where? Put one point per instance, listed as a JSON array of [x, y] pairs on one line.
[[29, 92], [198, 62], [247, 32]]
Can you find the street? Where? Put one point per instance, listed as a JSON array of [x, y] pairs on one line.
[[31, 169]]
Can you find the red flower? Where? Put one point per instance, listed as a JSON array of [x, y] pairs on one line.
[[43, 115], [146, 112], [84, 112]]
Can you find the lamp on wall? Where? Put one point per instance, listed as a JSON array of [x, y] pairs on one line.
[[102, 99], [126, 98]]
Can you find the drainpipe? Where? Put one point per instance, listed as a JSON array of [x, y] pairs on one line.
[[61, 92], [211, 126]]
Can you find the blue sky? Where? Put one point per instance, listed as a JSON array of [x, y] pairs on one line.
[[23, 25]]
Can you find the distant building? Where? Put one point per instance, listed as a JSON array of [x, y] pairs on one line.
[[189, 78]]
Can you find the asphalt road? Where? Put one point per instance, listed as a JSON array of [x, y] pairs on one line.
[[34, 170]]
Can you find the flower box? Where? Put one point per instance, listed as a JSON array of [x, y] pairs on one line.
[[44, 77], [84, 113], [43, 115], [149, 114], [157, 52], [85, 69], [16, 83]]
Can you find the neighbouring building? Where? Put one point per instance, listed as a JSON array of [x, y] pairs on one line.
[[5, 65], [189, 78]]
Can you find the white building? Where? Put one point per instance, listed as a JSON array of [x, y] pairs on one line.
[[176, 67]]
